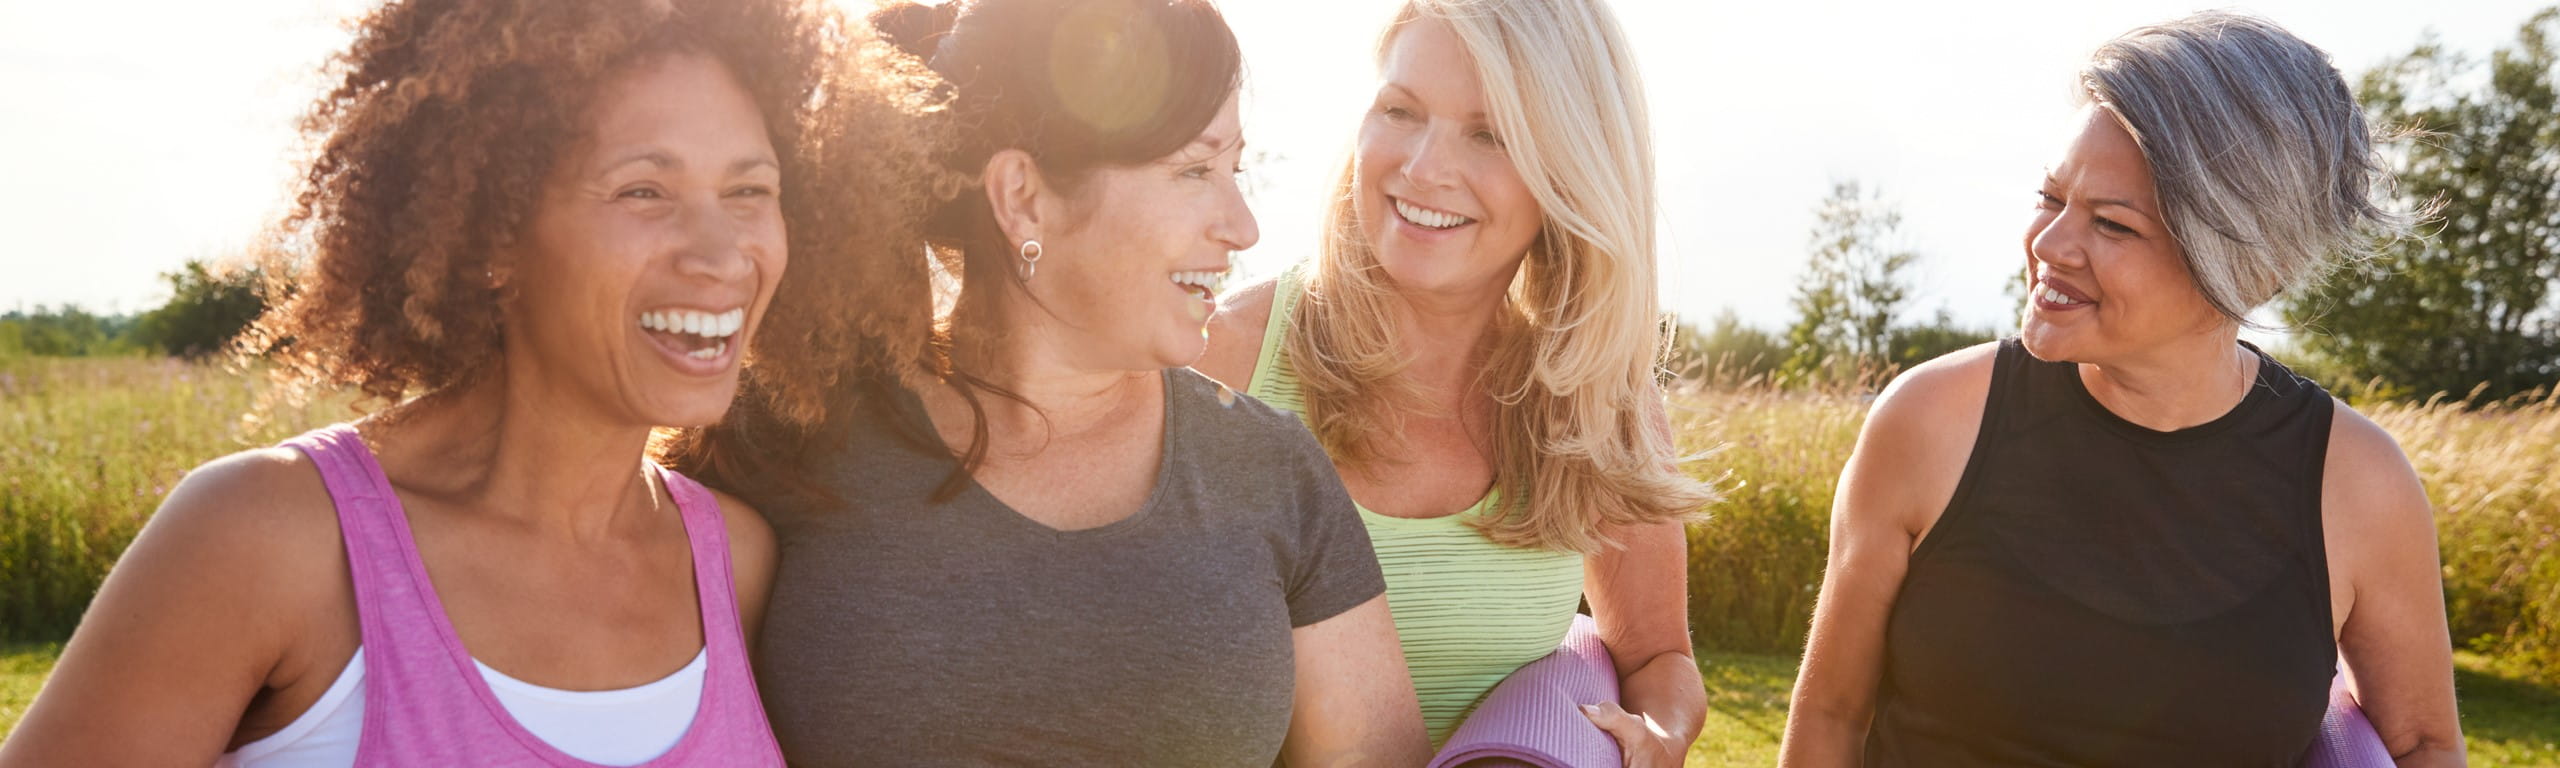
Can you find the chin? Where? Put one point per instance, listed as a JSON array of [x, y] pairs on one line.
[[693, 409], [2048, 343], [1182, 351]]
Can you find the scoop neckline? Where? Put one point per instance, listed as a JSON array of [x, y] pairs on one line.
[[2260, 390]]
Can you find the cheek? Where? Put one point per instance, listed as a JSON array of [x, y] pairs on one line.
[[1505, 196]]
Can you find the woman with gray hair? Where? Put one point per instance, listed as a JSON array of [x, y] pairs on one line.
[[2127, 537]]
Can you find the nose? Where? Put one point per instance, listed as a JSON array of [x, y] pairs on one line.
[[1429, 160], [714, 246], [1235, 227], [2060, 239]]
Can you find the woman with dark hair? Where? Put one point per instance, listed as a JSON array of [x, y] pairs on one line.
[[1036, 538], [2127, 537], [541, 229]]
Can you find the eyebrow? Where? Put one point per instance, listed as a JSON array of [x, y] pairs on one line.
[[663, 161], [1477, 115], [2103, 201], [1218, 146]]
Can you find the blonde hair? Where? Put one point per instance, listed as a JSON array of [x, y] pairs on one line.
[[1573, 358]]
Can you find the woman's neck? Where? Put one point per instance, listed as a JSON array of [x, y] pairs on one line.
[[1060, 396], [1443, 340], [2175, 386], [508, 445]]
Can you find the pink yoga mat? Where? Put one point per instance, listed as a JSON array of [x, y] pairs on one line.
[[2347, 740], [1534, 717]]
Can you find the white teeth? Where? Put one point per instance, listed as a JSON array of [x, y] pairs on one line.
[[1427, 218], [717, 326], [1205, 281], [712, 352], [2056, 297]]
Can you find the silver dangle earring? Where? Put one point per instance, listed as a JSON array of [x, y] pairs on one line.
[[1030, 253]]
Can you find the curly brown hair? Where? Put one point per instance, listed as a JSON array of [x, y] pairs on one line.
[[447, 115]]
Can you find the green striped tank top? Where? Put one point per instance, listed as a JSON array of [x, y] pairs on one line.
[[1467, 610]]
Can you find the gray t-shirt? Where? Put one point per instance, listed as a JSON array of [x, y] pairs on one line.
[[904, 632]]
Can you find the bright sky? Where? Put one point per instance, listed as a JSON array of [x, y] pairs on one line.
[[140, 134]]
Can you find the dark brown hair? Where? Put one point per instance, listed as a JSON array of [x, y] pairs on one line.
[[1076, 84]]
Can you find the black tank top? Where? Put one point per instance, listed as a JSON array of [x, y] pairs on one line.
[[2100, 593]]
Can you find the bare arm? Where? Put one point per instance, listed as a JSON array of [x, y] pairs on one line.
[[196, 618], [1899, 478], [2381, 541], [1639, 595], [1355, 704]]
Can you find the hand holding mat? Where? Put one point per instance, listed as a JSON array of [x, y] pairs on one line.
[[2347, 740], [1534, 717]]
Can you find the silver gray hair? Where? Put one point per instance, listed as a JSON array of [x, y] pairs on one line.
[[2265, 164]]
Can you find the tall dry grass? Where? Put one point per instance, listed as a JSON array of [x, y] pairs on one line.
[[88, 446], [2492, 472]]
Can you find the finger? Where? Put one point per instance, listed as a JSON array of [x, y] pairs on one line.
[[1616, 721]]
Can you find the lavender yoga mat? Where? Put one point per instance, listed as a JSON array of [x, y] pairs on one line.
[[1534, 717], [2347, 740]]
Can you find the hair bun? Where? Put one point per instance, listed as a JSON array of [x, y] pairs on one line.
[[915, 27]]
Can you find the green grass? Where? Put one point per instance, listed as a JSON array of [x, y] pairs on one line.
[[2506, 721], [22, 671], [92, 445]]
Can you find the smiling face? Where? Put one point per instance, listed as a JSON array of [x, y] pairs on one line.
[[1437, 196], [653, 251], [2109, 281], [1133, 275]]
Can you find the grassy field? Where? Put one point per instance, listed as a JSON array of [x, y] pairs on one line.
[[91, 445]]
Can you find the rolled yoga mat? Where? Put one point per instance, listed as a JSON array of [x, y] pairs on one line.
[[1534, 717], [2347, 740]]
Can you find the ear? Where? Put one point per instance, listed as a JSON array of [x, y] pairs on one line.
[[1015, 193]]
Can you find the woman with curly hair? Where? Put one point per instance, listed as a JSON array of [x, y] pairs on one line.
[[1475, 345], [552, 226], [1041, 540]]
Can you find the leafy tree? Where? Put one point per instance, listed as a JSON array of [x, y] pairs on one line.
[[2469, 304], [207, 308], [1916, 344], [1852, 290], [65, 331]]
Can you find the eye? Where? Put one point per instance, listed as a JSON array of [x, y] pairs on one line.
[[752, 190], [2046, 201], [1396, 114], [1196, 172], [2110, 225], [1486, 139], [641, 193]]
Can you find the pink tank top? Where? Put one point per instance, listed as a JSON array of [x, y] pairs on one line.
[[425, 702]]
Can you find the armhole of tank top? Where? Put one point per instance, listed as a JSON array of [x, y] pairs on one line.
[[1284, 306], [2006, 371], [2316, 538]]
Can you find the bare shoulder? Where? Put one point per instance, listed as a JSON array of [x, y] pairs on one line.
[[1235, 334], [1947, 392], [1918, 438], [750, 536], [2369, 492], [252, 504], [247, 546]]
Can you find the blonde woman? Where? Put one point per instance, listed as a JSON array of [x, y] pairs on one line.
[[1474, 345]]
